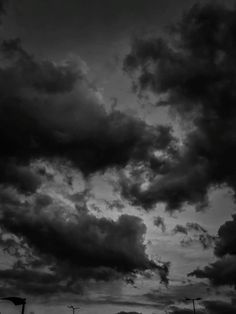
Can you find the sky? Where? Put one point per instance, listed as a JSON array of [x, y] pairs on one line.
[[118, 149]]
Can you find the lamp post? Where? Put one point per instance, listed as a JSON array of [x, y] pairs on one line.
[[193, 301], [73, 308]]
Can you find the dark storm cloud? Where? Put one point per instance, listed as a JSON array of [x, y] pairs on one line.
[[160, 222], [210, 307], [219, 307], [20, 176], [51, 111], [194, 72], [223, 271], [82, 246], [227, 238], [42, 76], [220, 273], [8, 197]]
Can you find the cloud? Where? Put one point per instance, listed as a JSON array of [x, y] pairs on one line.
[[175, 294], [193, 226], [227, 238], [194, 74], [20, 176], [42, 200], [34, 283], [74, 246], [115, 204], [207, 241], [180, 229], [113, 21], [51, 111], [2, 7], [194, 233], [159, 222], [219, 307], [223, 271], [210, 307]]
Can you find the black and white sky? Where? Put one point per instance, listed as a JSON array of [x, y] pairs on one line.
[[118, 151]]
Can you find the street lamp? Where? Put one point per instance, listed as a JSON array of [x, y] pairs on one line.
[[193, 300], [73, 308]]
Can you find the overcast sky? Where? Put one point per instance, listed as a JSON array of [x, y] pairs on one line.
[[118, 141]]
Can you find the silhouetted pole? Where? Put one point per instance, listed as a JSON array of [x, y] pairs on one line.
[[23, 308], [71, 307], [194, 310], [193, 301]]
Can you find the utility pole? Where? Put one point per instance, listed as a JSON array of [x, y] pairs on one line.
[[23, 308], [73, 308], [193, 301]]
